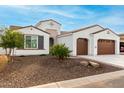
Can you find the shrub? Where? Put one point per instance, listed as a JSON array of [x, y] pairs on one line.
[[60, 51]]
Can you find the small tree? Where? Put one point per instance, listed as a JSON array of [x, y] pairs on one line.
[[60, 51], [10, 40]]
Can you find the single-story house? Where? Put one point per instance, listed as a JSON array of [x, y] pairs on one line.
[[92, 40]]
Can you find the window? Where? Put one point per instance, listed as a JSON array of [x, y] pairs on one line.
[[31, 42]]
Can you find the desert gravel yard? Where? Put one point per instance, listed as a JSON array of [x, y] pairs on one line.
[[37, 70]]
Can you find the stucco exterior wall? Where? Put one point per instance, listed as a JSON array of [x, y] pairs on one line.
[[51, 27], [85, 34], [2, 51], [71, 40], [105, 35], [67, 40], [47, 25], [33, 31]]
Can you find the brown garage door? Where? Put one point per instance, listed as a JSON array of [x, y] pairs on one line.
[[82, 46], [106, 47]]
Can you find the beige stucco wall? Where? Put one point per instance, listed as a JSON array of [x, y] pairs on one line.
[[53, 29], [122, 38], [47, 25]]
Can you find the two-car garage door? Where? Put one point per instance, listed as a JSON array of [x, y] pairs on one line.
[[105, 47]]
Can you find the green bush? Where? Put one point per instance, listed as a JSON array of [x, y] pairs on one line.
[[60, 51]]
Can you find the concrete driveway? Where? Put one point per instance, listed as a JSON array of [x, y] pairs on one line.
[[116, 60], [112, 83]]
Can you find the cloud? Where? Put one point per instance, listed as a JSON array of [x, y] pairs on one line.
[[70, 16], [113, 20], [58, 12], [66, 11], [24, 7], [113, 17]]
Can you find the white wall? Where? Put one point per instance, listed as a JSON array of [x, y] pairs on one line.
[[67, 40], [85, 34], [71, 40], [33, 31], [2, 51], [104, 35]]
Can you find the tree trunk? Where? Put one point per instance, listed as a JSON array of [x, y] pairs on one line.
[[12, 55], [9, 55], [6, 50]]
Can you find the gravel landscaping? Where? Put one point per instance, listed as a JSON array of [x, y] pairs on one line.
[[37, 70]]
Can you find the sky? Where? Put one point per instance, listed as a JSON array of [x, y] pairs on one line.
[[70, 16]]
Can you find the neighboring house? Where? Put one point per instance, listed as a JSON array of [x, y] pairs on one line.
[[92, 40], [121, 42]]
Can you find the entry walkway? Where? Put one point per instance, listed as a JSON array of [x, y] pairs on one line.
[[115, 60]]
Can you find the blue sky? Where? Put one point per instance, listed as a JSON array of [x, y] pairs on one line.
[[71, 17]]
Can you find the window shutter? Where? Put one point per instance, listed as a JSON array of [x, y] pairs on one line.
[[40, 42]]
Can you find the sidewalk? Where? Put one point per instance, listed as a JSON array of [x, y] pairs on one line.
[[111, 79], [113, 83]]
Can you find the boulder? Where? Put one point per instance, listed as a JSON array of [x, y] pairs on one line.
[[94, 64], [3, 61], [84, 63], [3, 58]]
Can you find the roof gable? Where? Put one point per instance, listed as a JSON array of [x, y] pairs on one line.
[[81, 29], [105, 30], [35, 28], [46, 21], [86, 28]]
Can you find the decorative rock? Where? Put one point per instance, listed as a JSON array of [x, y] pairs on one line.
[[94, 64], [84, 63], [3, 58], [3, 61]]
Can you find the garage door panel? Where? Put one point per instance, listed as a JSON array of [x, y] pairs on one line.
[[106, 47], [82, 46]]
